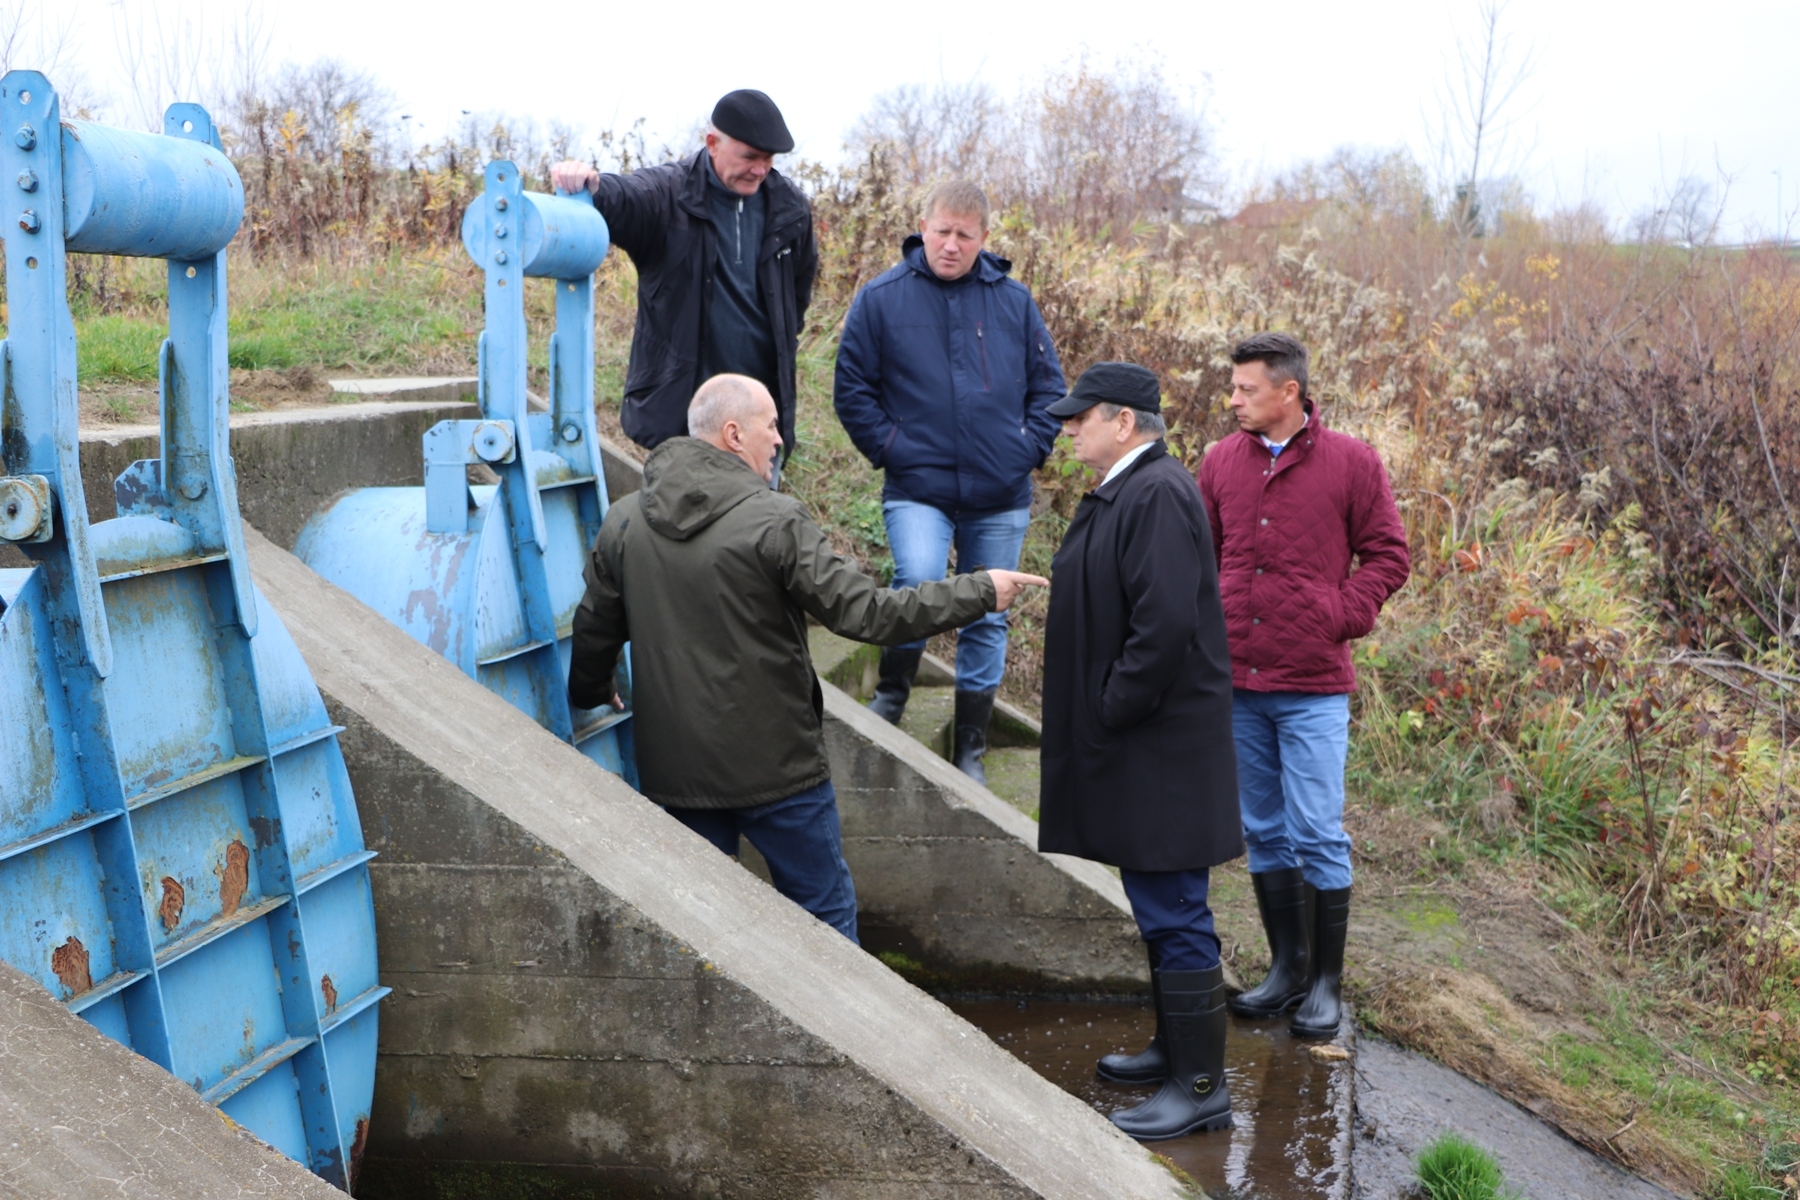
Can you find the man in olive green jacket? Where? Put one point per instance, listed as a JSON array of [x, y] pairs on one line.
[[711, 575]]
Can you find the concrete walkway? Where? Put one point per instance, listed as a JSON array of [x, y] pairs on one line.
[[82, 1117], [585, 990]]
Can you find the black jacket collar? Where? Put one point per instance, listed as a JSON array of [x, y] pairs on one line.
[[1109, 491], [785, 204]]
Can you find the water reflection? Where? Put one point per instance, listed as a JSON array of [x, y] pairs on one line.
[[1287, 1139]]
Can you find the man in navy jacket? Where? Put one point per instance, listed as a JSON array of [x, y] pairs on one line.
[[945, 373]]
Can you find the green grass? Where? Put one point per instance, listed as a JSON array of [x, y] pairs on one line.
[[118, 348], [1454, 1168]]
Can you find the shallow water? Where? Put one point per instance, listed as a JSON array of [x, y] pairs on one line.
[[1289, 1137]]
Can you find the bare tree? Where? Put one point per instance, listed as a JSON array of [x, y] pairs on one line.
[[1478, 111], [951, 129], [29, 41], [1688, 215]]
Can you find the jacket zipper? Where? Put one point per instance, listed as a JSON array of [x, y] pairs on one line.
[[981, 340], [738, 220]]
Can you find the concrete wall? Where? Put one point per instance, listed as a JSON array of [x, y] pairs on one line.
[[587, 994], [290, 463], [83, 1117], [948, 873]]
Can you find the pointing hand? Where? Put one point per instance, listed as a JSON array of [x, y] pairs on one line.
[[1008, 585]]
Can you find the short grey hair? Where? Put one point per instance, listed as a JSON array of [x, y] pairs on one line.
[[957, 197], [1143, 422], [721, 399]]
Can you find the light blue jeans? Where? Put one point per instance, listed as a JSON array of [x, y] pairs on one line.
[[920, 537], [1291, 748]]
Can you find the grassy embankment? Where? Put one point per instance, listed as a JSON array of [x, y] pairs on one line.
[[1573, 823]]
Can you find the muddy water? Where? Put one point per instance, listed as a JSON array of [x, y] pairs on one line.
[[1289, 1137]]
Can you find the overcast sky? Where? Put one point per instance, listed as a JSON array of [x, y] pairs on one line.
[[1623, 100]]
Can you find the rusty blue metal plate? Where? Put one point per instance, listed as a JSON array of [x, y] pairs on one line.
[[181, 860]]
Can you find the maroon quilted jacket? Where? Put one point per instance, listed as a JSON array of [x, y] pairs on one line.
[[1285, 530]]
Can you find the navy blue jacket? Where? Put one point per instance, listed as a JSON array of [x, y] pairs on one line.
[[943, 386]]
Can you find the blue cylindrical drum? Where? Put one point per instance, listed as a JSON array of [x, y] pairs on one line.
[[146, 195]]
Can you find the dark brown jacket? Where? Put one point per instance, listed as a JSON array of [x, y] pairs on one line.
[[711, 577], [1139, 767]]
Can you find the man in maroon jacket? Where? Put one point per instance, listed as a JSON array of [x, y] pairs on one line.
[[1291, 504]]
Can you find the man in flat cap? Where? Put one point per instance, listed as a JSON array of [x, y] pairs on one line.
[[723, 246], [1139, 770]]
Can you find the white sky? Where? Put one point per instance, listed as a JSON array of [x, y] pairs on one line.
[[1623, 100]]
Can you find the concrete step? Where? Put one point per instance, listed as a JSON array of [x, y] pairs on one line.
[[83, 1118], [588, 995]]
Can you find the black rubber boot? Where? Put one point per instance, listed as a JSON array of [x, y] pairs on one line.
[[898, 666], [1323, 1007], [1281, 900], [1194, 1097], [1150, 1066], [973, 712]]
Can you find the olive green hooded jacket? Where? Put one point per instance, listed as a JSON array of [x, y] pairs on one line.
[[711, 577]]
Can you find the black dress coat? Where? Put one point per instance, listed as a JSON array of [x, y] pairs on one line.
[[1139, 768]]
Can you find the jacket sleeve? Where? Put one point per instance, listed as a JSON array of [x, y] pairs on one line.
[[1161, 568], [806, 270], [1209, 496], [856, 387], [1378, 539], [1044, 384], [636, 208], [835, 592], [600, 632]]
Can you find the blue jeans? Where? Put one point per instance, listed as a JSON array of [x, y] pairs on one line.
[[1174, 918], [1291, 748], [920, 536], [802, 842]]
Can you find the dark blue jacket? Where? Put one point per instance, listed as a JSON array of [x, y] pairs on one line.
[[943, 386]]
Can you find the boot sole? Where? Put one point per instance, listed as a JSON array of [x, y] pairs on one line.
[[1210, 1124], [1315, 1031], [1260, 1013]]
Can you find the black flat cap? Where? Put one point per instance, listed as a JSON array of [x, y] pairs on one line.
[[1110, 383], [752, 118]]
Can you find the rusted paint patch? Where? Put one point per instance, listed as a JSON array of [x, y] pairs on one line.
[[330, 992], [266, 829], [437, 616], [356, 1150], [234, 880], [174, 899], [70, 962]]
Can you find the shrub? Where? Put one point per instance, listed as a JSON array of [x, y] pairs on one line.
[[1452, 1167]]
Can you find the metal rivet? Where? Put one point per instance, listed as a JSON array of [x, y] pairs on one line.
[[1265, 520], [500, 257], [27, 180], [1256, 620], [500, 204], [191, 272], [500, 230], [28, 221], [26, 138], [571, 432]]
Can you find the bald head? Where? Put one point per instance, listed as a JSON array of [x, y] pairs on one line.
[[737, 414]]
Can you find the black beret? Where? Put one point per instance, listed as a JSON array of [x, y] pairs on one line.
[[752, 118], [1120, 383]]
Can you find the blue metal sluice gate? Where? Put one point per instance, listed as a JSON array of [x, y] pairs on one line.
[[489, 576], [181, 860]]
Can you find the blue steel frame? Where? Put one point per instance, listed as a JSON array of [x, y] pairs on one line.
[[490, 576], [181, 859]]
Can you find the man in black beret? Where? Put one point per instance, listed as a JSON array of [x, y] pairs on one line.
[[723, 246], [1139, 767]]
